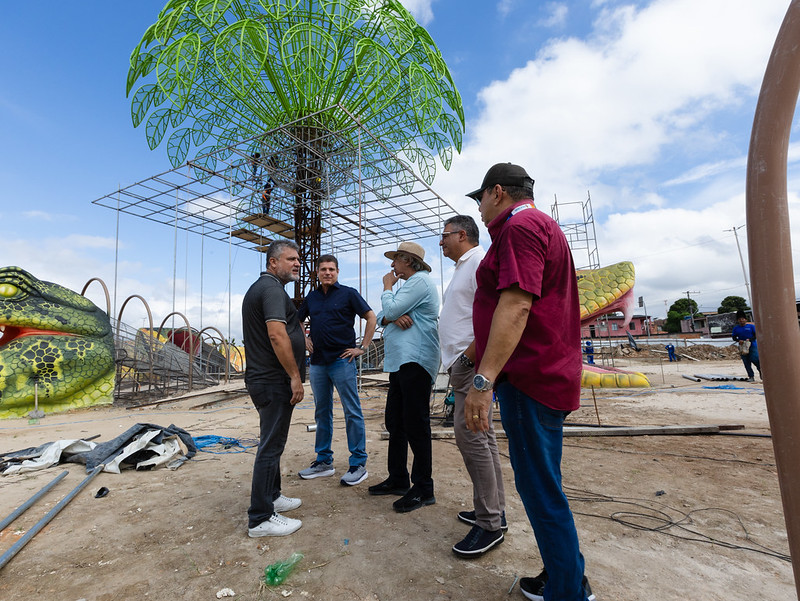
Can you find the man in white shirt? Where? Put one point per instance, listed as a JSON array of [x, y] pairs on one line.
[[479, 450]]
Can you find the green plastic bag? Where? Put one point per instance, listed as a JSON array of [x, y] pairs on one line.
[[276, 573]]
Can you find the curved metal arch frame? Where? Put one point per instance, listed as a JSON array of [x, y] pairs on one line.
[[227, 350], [191, 341], [105, 291], [150, 322]]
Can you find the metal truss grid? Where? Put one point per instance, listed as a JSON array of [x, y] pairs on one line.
[[219, 195]]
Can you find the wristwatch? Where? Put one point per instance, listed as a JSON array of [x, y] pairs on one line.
[[361, 347], [466, 361], [482, 383]]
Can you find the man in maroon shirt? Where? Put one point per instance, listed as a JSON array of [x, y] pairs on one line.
[[527, 340]]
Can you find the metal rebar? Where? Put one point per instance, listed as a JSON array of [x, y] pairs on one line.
[[21, 509], [17, 546]]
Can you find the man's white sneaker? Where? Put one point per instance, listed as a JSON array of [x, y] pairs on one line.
[[284, 503], [277, 525]]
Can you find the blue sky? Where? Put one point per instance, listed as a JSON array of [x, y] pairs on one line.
[[647, 106]]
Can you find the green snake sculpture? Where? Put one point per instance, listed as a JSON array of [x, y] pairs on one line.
[[55, 345]]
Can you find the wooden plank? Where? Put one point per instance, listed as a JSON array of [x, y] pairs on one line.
[[639, 430], [250, 236], [584, 431]]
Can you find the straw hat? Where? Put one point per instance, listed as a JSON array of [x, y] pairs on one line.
[[411, 249]]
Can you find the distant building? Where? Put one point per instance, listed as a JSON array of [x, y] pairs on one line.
[[610, 326], [697, 326]]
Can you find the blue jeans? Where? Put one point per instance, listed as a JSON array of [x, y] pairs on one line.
[[535, 435], [341, 374], [275, 416], [751, 359]]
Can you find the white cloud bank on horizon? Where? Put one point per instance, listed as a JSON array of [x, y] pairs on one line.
[[667, 83]]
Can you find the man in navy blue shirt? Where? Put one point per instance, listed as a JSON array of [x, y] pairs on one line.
[[332, 308]]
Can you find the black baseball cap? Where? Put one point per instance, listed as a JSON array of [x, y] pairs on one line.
[[505, 174]]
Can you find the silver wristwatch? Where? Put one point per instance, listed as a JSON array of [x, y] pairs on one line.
[[482, 383]]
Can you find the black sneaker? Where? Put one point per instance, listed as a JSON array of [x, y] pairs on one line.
[[412, 500], [533, 588], [478, 542], [468, 517], [387, 487]]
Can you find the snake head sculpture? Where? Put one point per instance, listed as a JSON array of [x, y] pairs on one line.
[[56, 347]]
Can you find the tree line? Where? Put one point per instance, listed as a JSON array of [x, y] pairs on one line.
[[685, 307]]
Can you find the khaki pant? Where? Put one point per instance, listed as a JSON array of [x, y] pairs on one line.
[[480, 455]]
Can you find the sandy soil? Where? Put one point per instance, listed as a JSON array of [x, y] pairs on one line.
[[659, 517]]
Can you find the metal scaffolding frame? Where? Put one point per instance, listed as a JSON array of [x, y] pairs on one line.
[[303, 180], [580, 231]]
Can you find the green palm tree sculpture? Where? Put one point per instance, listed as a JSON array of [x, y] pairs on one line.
[[214, 73]]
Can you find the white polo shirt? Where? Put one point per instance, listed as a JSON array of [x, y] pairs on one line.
[[455, 319]]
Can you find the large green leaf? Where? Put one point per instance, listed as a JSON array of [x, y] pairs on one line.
[[178, 146], [156, 127], [449, 124], [424, 98], [144, 65], [310, 57], [145, 97], [398, 27], [240, 52], [176, 68], [168, 20], [205, 163], [210, 11], [427, 165], [342, 13], [406, 179], [378, 73], [202, 129]]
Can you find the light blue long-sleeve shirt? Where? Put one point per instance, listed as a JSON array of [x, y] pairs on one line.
[[420, 343]]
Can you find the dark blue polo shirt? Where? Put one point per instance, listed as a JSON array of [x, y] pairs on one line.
[[332, 318]]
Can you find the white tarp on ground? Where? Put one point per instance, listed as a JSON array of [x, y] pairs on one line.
[[143, 446]]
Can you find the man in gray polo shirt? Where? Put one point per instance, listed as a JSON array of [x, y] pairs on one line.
[[275, 355]]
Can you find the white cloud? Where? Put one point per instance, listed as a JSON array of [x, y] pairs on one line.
[[422, 10], [504, 7], [556, 15], [607, 113]]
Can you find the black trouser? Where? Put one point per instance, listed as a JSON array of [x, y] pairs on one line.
[[408, 421], [275, 415]]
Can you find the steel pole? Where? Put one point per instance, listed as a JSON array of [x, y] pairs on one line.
[[770, 253], [21, 509], [17, 546]]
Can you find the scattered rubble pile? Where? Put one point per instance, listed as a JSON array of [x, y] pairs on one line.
[[706, 352]]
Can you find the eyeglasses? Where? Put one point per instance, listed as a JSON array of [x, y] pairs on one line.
[[446, 234]]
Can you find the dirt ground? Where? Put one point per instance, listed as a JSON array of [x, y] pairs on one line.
[[659, 517]]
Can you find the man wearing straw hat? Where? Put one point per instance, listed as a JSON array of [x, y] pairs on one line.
[[411, 356]]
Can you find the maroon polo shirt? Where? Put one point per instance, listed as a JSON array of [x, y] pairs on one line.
[[529, 249]]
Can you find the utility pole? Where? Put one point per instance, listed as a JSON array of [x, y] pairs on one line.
[[744, 271], [646, 317], [691, 311]]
